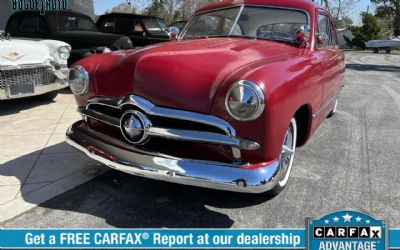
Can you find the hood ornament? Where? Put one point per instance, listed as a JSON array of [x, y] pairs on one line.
[[13, 56]]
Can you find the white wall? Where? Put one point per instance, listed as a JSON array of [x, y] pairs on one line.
[[83, 6], [5, 10], [341, 41]]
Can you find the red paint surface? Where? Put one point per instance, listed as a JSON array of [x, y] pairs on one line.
[[195, 75]]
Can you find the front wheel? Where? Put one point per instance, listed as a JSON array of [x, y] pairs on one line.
[[375, 50], [286, 157]]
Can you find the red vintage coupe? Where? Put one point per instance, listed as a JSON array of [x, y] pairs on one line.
[[224, 106]]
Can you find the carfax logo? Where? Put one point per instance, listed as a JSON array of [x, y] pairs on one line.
[[347, 230], [39, 5]]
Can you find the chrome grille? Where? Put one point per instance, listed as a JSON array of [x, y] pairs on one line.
[[170, 124], [37, 76]]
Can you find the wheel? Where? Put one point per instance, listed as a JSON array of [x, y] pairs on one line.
[[375, 50], [333, 111], [286, 157], [48, 96], [388, 51]]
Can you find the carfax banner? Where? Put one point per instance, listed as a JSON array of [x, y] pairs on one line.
[[343, 230]]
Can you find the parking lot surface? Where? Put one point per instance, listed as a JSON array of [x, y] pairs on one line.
[[351, 162]]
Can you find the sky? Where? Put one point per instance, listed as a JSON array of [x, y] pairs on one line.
[[102, 5]]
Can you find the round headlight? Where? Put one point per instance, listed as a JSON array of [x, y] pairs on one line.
[[79, 80], [245, 101], [64, 52]]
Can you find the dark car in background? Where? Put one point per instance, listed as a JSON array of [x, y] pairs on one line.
[[179, 24], [142, 30], [74, 28]]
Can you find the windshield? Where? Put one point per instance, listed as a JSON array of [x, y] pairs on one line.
[[70, 22], [256, 22], [155, 26]]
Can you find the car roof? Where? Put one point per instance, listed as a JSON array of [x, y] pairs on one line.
[[127, 15], [307, 5], [25, 12]]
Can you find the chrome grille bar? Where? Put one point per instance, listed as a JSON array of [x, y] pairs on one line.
[[227, 136], [36, 76]]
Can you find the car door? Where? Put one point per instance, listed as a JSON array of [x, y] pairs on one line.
[[327, 50]]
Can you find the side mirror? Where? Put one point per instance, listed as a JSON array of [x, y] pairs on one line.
[[322, 39], [173, 33], [302, 35]]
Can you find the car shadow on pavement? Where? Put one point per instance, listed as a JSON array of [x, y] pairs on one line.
[[125, 201], [371, 67], [15, 106]]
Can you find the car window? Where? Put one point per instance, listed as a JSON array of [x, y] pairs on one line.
[[32, 24], [334, 39], [70, 22], [213, 23], [153, 26], [108, 25], [138, 28], [267, 23], [323, 29], [124, 25], [163, 24]]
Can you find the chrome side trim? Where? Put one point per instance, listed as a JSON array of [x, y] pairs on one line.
[[325, 105], [203, 137], [182, 171]]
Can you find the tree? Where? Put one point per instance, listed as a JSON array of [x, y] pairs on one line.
[[389, 9], [122, 8], [174, 10], [368, 31], [340, 11]]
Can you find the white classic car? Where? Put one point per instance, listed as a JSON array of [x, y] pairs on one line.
[[389, 44], [32, 67]]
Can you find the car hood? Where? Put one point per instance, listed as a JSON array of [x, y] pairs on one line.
[[87, 39], [185, 74], [21, 51]]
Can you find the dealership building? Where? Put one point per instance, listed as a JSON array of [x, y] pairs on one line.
[[83, 6]]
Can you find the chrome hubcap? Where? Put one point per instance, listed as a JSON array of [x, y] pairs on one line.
[[287, 153]]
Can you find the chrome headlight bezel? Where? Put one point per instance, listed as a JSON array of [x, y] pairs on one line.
[[257, 103], [79, 76], [64, 52]]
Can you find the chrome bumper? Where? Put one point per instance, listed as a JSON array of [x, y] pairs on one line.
[[205, 174], [38, 90]]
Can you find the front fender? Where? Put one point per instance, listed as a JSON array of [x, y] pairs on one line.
[[287, 86]]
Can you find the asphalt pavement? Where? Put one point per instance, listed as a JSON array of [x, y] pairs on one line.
[[351, 162]]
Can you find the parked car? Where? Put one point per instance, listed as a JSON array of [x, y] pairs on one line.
[[32, 67], [179, 24], [142, 30], [388, 45], [74, 28], [224, 107]]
